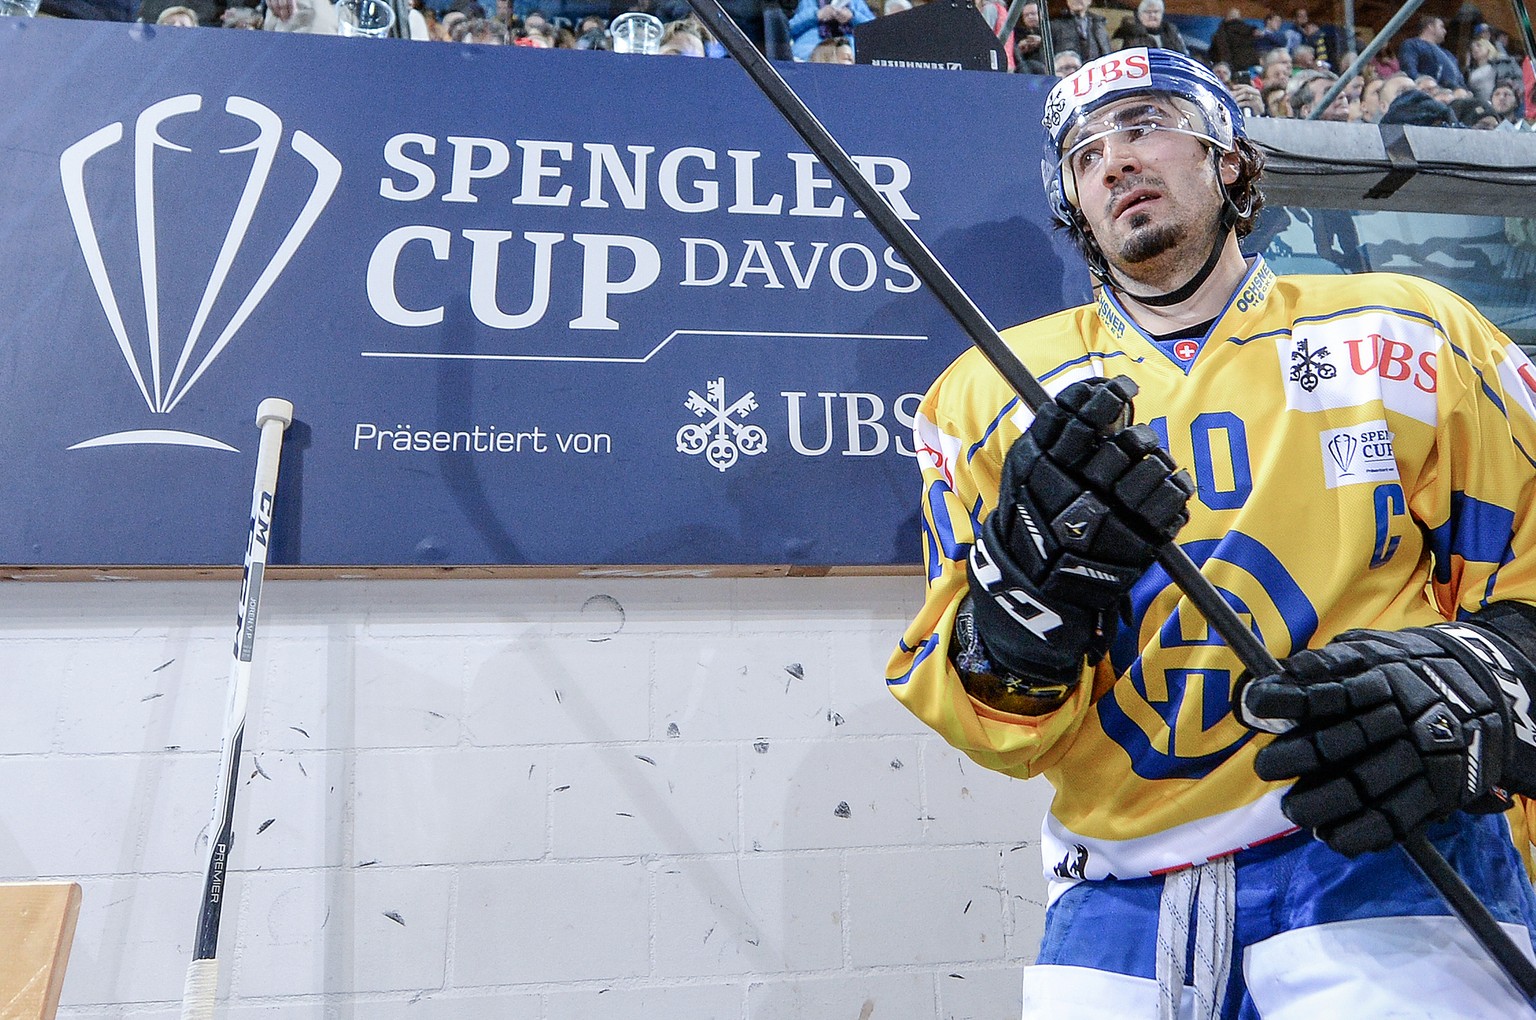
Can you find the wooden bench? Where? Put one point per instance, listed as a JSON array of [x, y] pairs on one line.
[[37, 927]]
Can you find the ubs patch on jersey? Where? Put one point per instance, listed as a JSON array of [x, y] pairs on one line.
[[1360, 357], [1358, 453]]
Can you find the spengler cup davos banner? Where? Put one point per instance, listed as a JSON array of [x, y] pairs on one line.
[[532, 307]]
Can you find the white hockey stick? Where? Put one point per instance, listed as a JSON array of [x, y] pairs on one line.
[[274, 416]]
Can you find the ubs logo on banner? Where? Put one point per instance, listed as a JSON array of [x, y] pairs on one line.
[[722, 439], [166, 364], [849, 424]]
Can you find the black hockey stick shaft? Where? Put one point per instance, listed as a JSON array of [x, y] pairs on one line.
[[273, 416], [982, 333], [1245, 644], [1523, 19], [1011, 19], [1465, 904], [1371, 49]]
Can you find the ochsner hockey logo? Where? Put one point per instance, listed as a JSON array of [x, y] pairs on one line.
[[166, 368]]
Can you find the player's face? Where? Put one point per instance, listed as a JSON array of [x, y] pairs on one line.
[[1144, 185]]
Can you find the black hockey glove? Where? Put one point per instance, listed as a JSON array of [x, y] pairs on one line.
[[1388, 731], [1085, 500]]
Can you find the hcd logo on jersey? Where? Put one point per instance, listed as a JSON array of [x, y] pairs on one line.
[[1358, 453], [721, 439], [171, 373], [1171, 711]]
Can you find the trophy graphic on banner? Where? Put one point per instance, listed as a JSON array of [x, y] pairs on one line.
[[166, 369]]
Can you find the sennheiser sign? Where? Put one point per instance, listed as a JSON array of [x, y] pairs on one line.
[[531, 307]]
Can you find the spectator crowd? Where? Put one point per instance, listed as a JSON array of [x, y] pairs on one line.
[[1273, 67], [1279, 71]]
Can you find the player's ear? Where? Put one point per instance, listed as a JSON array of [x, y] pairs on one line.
[[1228, 166]]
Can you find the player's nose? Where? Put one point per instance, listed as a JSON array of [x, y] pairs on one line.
[[1120, 158]]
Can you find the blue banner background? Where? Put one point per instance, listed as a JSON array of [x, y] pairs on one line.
[[317, 338]]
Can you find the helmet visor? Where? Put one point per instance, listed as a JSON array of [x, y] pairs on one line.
[[1130, 122]]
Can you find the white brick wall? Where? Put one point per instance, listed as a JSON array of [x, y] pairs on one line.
[[514, 800]]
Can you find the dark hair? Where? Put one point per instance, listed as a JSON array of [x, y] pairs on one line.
[[475, 28], [1471, 110], [1246, 195], [1421, 108]]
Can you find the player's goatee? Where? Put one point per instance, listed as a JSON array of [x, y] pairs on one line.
[[1149, 243]]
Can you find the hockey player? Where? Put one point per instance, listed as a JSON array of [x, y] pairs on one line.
[[1362, 455]]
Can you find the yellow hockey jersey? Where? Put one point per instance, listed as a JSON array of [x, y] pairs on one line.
[[1362, 449]]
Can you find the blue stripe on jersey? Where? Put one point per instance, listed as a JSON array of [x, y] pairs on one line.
[[941, 536], [923, 651], [1492, 395], [931, 552], [1488, 391], [1493, 575], [1085, 359], [1491, 585], [1476, 531], [1523, 451], [991, 428], [1407, 313], [1260, 336], [1012, 405]]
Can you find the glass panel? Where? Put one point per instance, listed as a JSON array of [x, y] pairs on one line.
[[1489, 260]]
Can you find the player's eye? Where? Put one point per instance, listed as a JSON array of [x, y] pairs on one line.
[[1087, 158]]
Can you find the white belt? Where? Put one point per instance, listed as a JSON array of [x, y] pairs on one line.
[[1206, 895]]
